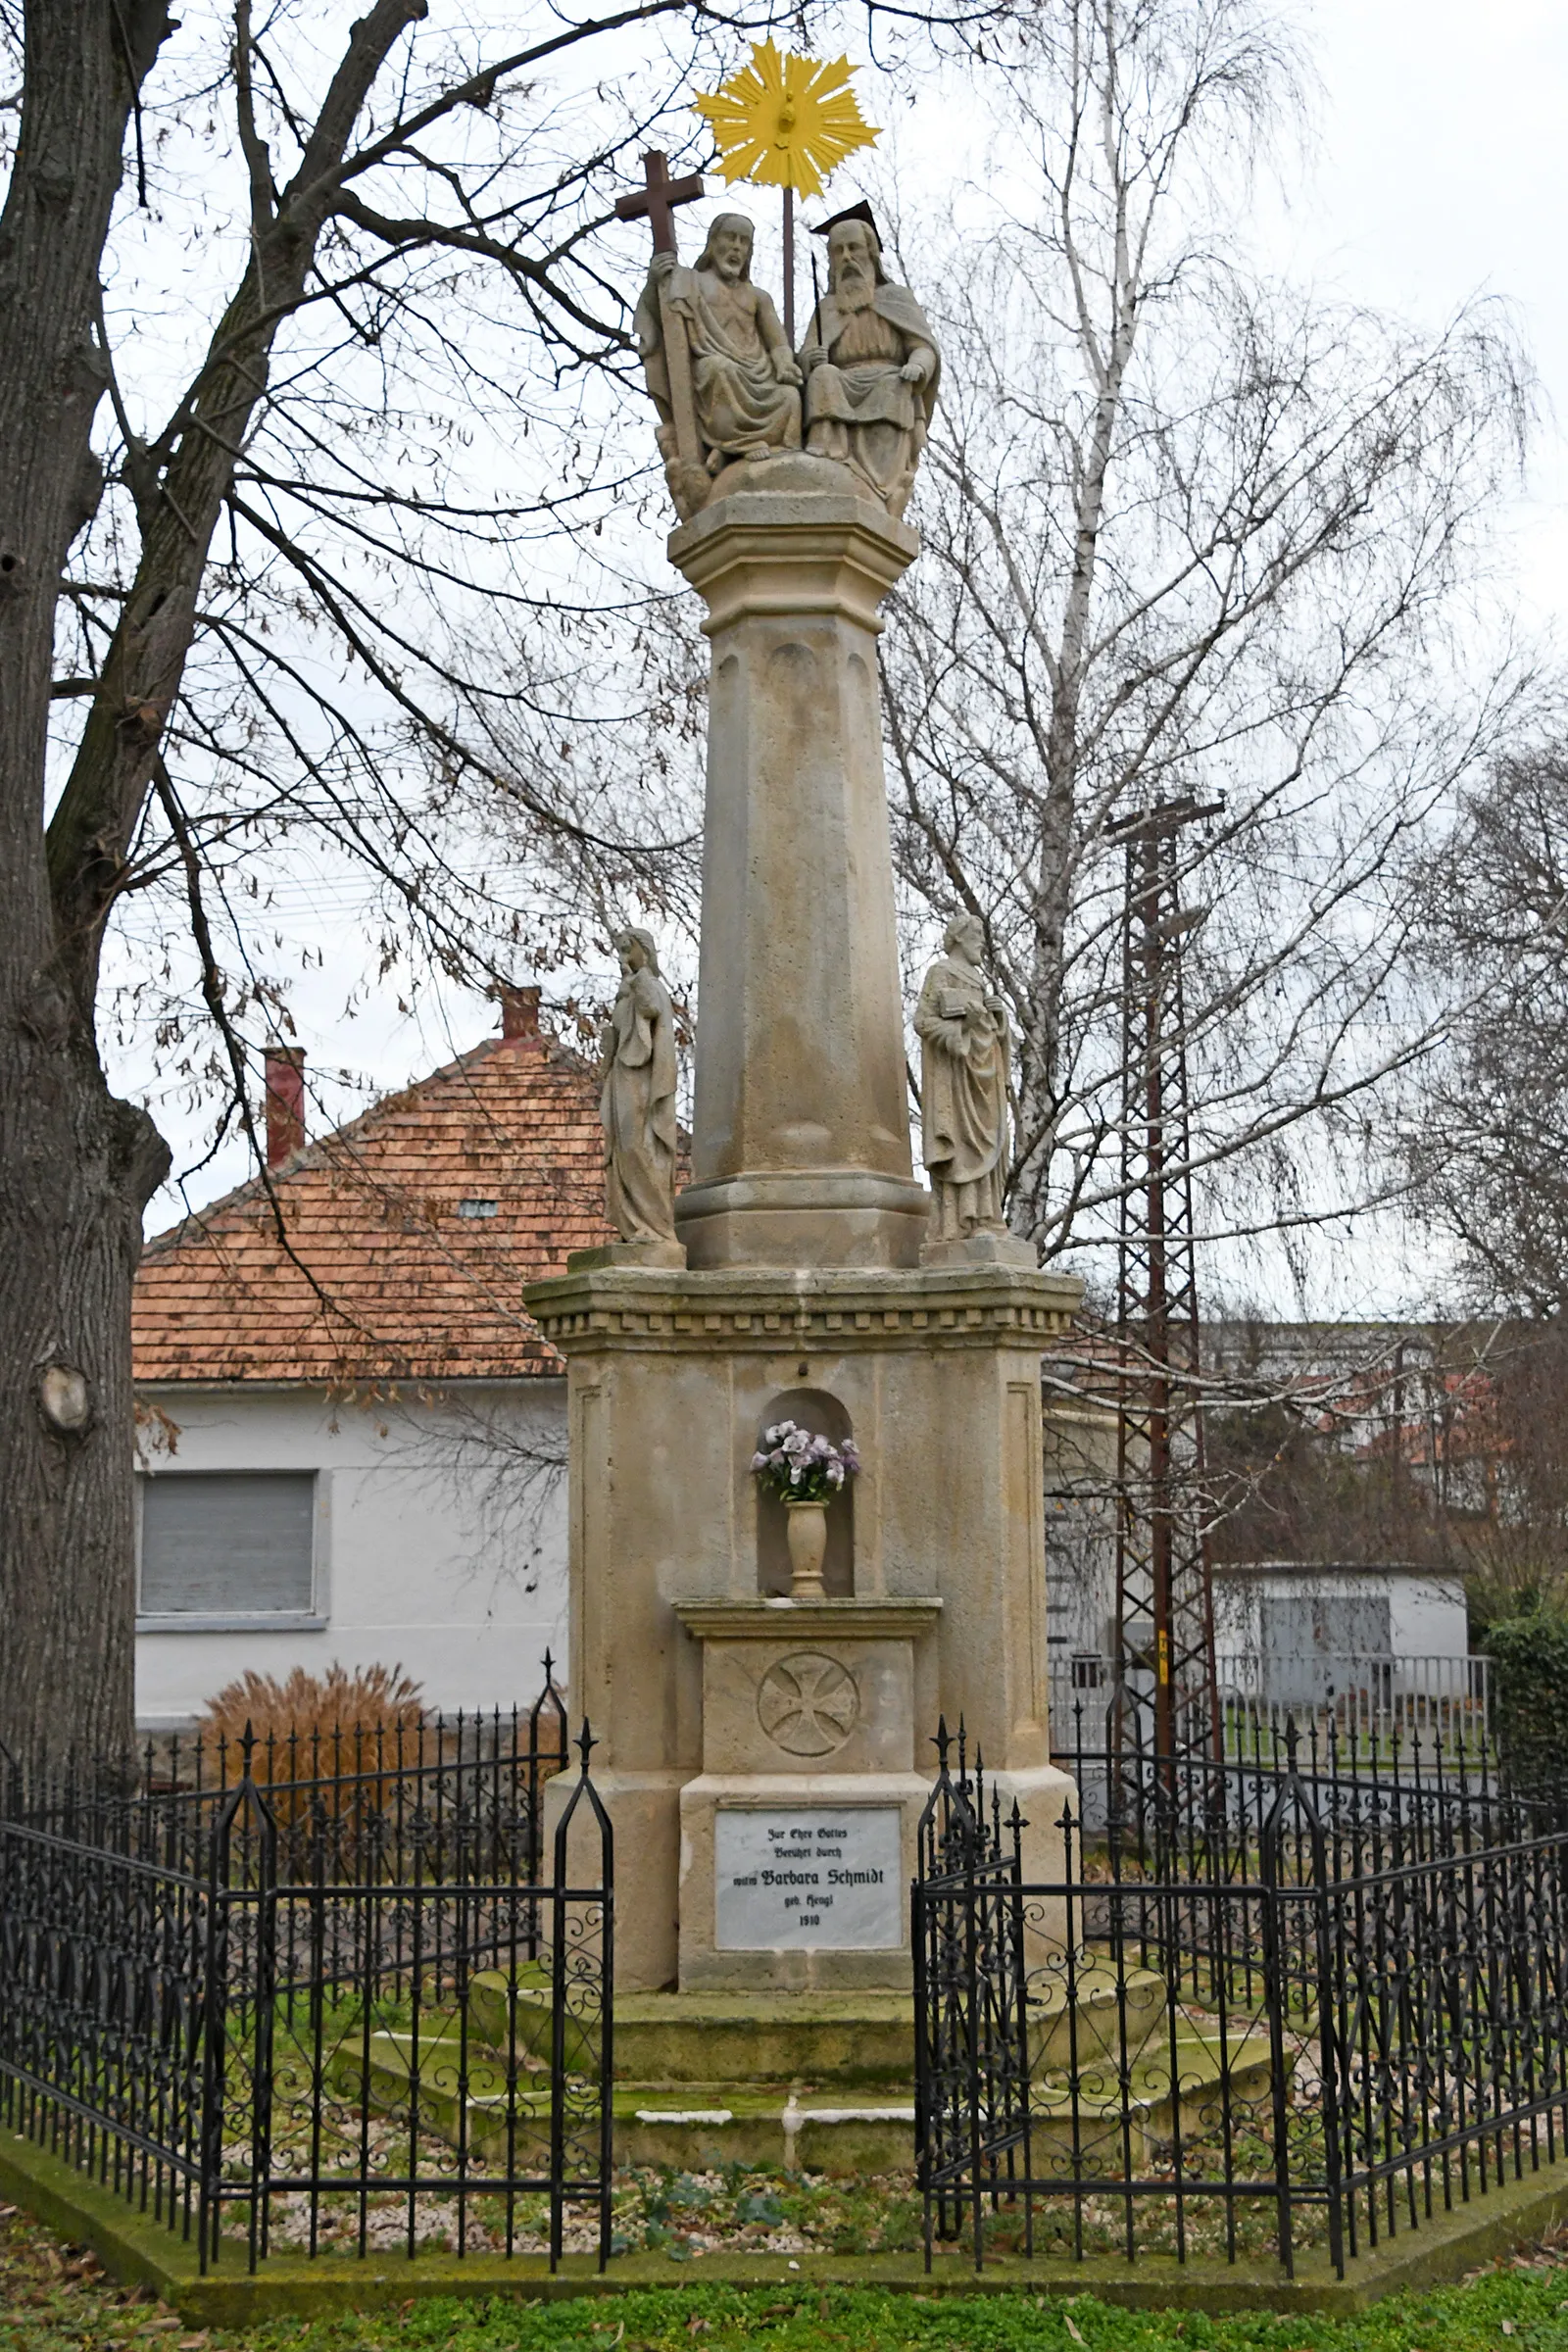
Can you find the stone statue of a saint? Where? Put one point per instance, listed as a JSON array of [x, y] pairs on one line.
[[871, 367], [965, 1051], [637, 1102], [745, 384]]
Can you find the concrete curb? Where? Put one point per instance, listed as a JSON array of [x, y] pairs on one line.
[[140, 2251]]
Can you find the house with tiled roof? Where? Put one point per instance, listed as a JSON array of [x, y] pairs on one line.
[[352, 1434]]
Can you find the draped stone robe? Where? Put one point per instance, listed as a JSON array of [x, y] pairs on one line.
[[963, 1098], [637, 1108], [731, 333], [859, 407]]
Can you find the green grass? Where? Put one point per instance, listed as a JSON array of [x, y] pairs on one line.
[[56, 2299]]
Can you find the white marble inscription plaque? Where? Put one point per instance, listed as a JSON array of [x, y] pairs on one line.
[[830, 1878]]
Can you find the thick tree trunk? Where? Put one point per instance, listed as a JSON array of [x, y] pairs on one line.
[[75, 1166], [76, 1170]]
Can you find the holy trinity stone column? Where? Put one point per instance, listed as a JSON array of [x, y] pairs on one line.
[[801, 1145], [738, 1722]]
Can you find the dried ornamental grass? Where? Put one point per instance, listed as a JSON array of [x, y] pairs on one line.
[[312, 1708], [328, 1730]]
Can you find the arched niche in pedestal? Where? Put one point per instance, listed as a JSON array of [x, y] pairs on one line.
[[814, 1409]]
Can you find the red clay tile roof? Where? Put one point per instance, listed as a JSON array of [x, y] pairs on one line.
[[409, 1288]]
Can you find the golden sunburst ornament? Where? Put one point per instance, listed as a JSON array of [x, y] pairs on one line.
[[785, 122]]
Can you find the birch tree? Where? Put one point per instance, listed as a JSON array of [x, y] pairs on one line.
[[1485, 1150], [1191, 532]]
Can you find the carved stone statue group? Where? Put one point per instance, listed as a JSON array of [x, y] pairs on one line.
[[861, 388], [966, 1056]]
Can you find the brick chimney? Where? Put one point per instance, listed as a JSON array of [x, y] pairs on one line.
[[285, 1102], [519, 1016]]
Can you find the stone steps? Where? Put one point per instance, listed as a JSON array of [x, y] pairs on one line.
[[820, 2083], [716, 2037], [692, 2125]]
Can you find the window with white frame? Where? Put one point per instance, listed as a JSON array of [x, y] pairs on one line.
[[229, 1543]]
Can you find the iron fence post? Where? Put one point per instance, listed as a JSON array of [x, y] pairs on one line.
[[607, 2040], [1274, 1997], [1017, 1825], [210, 2145], [603, 1893], [265, 1997]]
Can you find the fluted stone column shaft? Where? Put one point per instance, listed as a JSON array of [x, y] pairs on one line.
[[801, 1142]]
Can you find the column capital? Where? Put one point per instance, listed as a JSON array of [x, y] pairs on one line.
[[798, 535]]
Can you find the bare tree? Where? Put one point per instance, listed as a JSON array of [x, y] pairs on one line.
[[1189, 532], [366, 244], [1486, 1148]]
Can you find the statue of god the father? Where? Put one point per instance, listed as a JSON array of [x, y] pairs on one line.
[[872, 367]]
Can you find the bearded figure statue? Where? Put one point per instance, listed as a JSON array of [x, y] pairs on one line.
[[745, 384], [872, 367], [965, 1074]]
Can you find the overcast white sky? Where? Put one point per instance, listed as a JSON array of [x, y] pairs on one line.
[[1439, 171], [1443, 172]]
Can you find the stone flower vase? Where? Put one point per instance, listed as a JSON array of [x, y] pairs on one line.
[[806, 1529]]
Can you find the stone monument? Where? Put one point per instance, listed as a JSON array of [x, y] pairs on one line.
[[764, 1756]]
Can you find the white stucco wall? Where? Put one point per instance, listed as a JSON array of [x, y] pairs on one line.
[[1428, 1615], [439, 1546]]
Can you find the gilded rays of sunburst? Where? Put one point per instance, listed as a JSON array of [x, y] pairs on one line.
[[785, 122]]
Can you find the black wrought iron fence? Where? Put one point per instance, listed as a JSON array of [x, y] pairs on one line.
[[466, 1784], [1268, 2010], [363, 2010]]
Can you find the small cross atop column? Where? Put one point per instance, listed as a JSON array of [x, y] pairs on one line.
[[657, 202]]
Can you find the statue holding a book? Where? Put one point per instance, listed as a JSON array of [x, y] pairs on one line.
[[964, 1062]]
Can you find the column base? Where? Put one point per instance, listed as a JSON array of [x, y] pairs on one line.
[[644, 1809], [1043, 1795], [821, 1217]]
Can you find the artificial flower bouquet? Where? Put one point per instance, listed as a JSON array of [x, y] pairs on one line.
[[801, 1465]]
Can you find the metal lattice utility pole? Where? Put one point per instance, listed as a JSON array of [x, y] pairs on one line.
[[1165, 1604]]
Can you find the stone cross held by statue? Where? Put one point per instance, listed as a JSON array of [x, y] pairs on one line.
[[658, 200], [655, 203]]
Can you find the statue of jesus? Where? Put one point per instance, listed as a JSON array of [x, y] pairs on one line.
[[871, 367], [745, 382]]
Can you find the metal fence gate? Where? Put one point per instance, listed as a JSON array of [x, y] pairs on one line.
[[1272, 2011], [367, 2010]]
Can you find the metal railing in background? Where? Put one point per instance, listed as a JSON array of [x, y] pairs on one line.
[[476, 1778], [364, 2010], [1377, 1703]]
